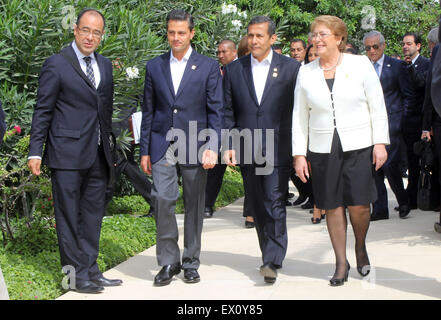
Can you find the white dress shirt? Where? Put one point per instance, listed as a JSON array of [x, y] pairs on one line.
[[260, 73], [83, 65], [177, 68], [415, 59]]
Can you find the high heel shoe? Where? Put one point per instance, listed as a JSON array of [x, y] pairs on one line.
[[317, 220], [335, 282], [366, 268]]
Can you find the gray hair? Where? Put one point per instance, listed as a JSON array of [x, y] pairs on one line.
[[372, 34], [433, 35]]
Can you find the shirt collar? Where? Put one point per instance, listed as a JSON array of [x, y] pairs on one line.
[[186, 57], [79, 54], [267, 60], [415, 59]]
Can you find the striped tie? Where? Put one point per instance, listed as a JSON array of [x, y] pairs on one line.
[[89, 70], [91, 76]]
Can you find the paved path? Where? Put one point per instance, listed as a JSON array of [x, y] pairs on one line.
[[406, 254]]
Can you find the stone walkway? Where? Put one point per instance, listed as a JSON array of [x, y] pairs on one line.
[[405, 253]]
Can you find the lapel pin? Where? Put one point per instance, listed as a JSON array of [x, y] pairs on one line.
[[193, 67], [388, 65]]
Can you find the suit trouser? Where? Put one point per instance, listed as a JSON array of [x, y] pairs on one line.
[[79, 210], [139, 180], [165, 193], [411, 134], [215, 177], [267, 203], [391, 170]]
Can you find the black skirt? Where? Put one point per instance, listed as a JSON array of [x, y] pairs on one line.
[[342, 179]]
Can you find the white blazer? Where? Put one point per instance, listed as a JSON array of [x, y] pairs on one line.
[[360, 111]]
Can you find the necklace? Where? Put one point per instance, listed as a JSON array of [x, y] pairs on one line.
[[329, 69]]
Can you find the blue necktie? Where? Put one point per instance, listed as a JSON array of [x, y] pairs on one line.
[[91, 76], [377, 68]]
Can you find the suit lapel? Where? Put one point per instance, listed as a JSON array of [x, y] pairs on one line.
[[167, 73], [101, 67], [247, 73], [384, 69], [190, 71], [73, 59], [273, 73]]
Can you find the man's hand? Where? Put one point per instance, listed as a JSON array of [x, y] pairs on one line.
[[379, 156], [146, 164], [34, 166], [426, 135], [301, 167], [230, 157], [209, 159]]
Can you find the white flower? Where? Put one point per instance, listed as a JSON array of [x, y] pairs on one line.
[[243, 14], [229, 8], [132, 73], [237, 24]]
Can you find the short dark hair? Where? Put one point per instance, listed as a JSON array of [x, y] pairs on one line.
[[263, 19], [299, 40], [229, 42], [416, 36], [86, 10], [181, 15], [277, 46]]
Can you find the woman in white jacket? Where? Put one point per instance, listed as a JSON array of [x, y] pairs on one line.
[[340, 124]]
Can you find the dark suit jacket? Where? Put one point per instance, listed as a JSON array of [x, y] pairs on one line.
[[416, 89], [432, 102], [242, 110], [199, 98], [2, 123], [68, 111], [393, 81]]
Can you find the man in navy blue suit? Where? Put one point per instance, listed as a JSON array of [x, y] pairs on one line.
[[259, 99], [181, 119], [2, 123], [73, 118], [392, 77], [417, 69]]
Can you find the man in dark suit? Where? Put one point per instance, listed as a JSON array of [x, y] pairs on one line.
[[72, 118], [432, 108], [258, 95], [226, 53], [391, 74], [417, 68], [2, 123], [182, 100]]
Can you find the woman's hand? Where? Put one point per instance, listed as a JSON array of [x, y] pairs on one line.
[[379, 156], [301, 167]]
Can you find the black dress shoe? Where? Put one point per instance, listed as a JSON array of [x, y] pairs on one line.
[[191, 276], [87, 287], [269, 272], [379, 216], [249, 224], [288, 203], [104, 282], [403, 211], [165, 276], [302, 198], [208, 212], [290, 195]]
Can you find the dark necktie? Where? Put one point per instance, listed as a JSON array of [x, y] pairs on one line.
[[91, 76], [89, 70]]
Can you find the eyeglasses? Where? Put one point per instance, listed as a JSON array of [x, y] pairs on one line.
[[368, 48], [86, 31], [320, 36]]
